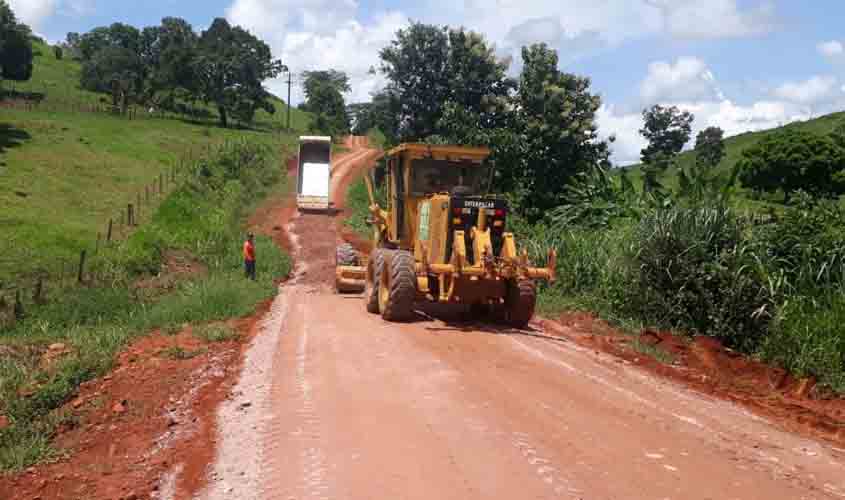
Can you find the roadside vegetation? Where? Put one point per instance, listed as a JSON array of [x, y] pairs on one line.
[[740, 239], [204, 219]]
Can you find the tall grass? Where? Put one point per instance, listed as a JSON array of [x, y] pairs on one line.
[[776, 291], [203, 218]]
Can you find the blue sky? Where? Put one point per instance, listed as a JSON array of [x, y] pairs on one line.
[[739, 64]]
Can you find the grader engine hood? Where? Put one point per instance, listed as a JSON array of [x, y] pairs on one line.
[[464, 216]]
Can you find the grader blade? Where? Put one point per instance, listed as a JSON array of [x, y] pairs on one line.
[[350, 279]]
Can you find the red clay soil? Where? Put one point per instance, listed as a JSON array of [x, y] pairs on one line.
[[127, 428], [704, 365]]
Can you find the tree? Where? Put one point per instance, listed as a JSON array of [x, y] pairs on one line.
[[333, 78], [114, 62], [323, 98], [172, 53], [230, 68], [667, 130], [15, 46], [556, 135], [791, 160], [709, 148], [415, 64]]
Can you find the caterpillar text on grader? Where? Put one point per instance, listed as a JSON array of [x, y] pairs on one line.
[[441, 238]]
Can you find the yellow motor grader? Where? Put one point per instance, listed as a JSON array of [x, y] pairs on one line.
[[441, 238]]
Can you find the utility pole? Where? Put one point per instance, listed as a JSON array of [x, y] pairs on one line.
[[289, 82]]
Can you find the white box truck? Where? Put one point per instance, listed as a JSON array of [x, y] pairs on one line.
[[314, 173]]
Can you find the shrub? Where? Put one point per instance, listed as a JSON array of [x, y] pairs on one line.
[[696, 272]]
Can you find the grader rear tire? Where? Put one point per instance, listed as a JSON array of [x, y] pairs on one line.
[[520, 302], [398, 287], [374, 269]]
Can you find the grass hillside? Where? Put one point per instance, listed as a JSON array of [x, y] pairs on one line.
[[63, 174], [734, 146]]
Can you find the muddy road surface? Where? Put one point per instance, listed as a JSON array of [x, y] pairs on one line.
[[335, 403]]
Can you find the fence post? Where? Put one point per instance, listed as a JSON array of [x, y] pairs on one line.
[[39, 285], [80, 274], [108, 237], [160, 184], [19, 312]]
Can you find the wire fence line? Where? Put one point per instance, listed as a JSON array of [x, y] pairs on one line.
[[92, 264]]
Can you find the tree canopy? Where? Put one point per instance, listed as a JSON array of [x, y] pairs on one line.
[[791, 160], [224, 66], [15, 46], [230, 68], [447, 85], [323, 98], [709, 147], [667, 130]]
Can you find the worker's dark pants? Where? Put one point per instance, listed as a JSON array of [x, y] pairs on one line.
[[249, 265]]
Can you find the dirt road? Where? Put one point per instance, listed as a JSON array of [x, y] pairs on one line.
[[334, 403]]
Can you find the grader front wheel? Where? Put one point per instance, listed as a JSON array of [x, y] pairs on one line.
[[520, 302], [397, 286], [374, 270]]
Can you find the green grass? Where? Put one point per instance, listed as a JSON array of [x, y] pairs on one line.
[[204, 218], [215, 333], [64, 174], [358, 202]]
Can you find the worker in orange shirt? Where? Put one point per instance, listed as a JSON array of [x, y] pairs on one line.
[[249, 256]]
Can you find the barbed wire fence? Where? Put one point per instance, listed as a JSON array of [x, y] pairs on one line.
[[93, 265]]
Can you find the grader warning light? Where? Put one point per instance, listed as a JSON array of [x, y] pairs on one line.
[[442, 238]]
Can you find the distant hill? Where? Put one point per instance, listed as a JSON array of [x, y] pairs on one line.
[[734, 146]]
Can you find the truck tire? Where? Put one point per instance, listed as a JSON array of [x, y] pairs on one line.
[[398, 287], [346, 255], [374, 268], [520, 302]]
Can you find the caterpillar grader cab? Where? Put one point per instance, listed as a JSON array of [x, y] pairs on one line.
[[442, 238]]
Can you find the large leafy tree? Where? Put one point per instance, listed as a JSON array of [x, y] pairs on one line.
[[323, 98], [381, 113], [667, 130], [557, 136], [15, 46], [709, 147], [415, 64], [230, 68], [793, 160], [315, 80], [116, 60]]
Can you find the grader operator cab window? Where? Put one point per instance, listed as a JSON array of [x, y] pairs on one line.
[[430, 176]]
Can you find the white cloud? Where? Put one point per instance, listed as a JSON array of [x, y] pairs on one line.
[[690, 85], [33, 12], [319, 34], [812, 91], [832, 48], [687, 79], [732, 118], [700, 19]]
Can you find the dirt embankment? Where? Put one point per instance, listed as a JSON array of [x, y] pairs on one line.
[[704, 365]]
